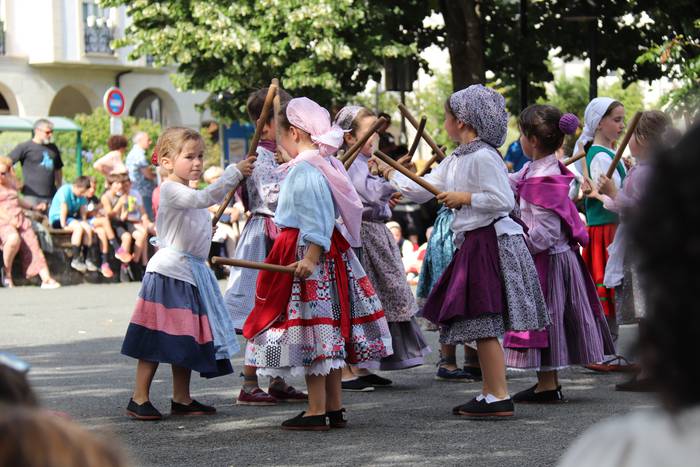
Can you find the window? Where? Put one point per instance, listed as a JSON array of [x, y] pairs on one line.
[[2, 27], [98, 27]]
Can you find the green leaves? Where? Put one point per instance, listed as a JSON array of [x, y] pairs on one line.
[[326, 49]]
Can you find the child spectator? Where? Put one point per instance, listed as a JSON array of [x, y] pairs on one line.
[[68, 211], [143, 227], [16, 234], [114, 202]]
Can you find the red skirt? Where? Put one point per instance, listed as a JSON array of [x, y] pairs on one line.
[[595, 255]]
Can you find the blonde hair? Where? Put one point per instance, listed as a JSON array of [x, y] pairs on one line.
[[651, 127], [35, 438], [6, 161], [173, 139], [212, 172]]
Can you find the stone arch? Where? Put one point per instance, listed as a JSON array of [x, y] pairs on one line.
[[70, 101], [157, 105], [8, 102]]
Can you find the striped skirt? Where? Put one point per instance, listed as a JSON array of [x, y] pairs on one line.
[[579, 333], [170, 325]]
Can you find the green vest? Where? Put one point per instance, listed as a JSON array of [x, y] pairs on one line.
[[596, 214]]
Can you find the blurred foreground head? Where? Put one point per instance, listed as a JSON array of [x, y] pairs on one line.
[[34, 438], [667, 249]]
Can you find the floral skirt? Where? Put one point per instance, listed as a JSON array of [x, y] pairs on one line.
[[308, 336]]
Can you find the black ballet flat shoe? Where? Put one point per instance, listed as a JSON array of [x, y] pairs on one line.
[[529, 396], [337, 419], [637, 384], [144, 411], [193, 408], [375, 380], [311, 423], [482, 409], [473, 372]]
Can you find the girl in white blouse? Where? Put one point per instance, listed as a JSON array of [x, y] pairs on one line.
[[180, 317], [491, 285]]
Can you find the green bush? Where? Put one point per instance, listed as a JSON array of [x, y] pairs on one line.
[[94, 141]]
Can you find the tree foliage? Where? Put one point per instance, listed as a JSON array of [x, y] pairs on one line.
[[679, 58], [325, 49]]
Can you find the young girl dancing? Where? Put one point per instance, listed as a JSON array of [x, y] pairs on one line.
[[653, 133], [380, 258], [259, 194], [327, 313], [180, 316], [579, 334], [604, 123], [492, 262]]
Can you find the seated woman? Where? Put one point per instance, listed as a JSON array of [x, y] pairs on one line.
[[16, 234]]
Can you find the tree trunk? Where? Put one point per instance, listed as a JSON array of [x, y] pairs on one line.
[[465, 41]]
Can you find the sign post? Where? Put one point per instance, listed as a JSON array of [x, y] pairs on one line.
[[115, 103]]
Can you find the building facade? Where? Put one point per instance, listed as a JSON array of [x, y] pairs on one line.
[[55, 59]]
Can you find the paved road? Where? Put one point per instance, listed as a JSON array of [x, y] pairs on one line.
[[72, 338]]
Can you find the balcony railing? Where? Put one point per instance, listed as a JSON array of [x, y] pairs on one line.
[[98, 29]]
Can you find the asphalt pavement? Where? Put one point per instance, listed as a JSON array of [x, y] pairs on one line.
[[72, 337]]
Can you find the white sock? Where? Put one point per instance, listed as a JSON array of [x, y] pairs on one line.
[[490, 398], [480, 397]]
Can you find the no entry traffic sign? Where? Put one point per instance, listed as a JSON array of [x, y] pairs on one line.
[[114, 102]]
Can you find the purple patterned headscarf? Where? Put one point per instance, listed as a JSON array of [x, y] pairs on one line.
[[484, 110]]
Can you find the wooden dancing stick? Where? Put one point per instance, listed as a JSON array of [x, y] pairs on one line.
[[575, 158], [419, 135], [264, 114], [432, 160], [623, 144], [395, 165], [352, 153], [241, 263], [276, 105], [428, 139]]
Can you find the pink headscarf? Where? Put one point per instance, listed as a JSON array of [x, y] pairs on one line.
[[307, 115]]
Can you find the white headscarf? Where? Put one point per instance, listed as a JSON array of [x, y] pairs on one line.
[[591, 119]]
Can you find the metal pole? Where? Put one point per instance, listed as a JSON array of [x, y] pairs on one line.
[[79, 153]]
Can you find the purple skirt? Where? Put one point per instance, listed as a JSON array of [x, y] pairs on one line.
[[471, 286]]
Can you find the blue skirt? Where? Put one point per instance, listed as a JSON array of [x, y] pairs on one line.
[[170, 325]]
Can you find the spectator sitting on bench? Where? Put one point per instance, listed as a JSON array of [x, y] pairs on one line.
[[68, 211], [102, 226], [16, 234], [143, 227], [114, 204]]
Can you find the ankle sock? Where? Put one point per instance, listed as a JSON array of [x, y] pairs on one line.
[[490, 398], [103, 258]]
